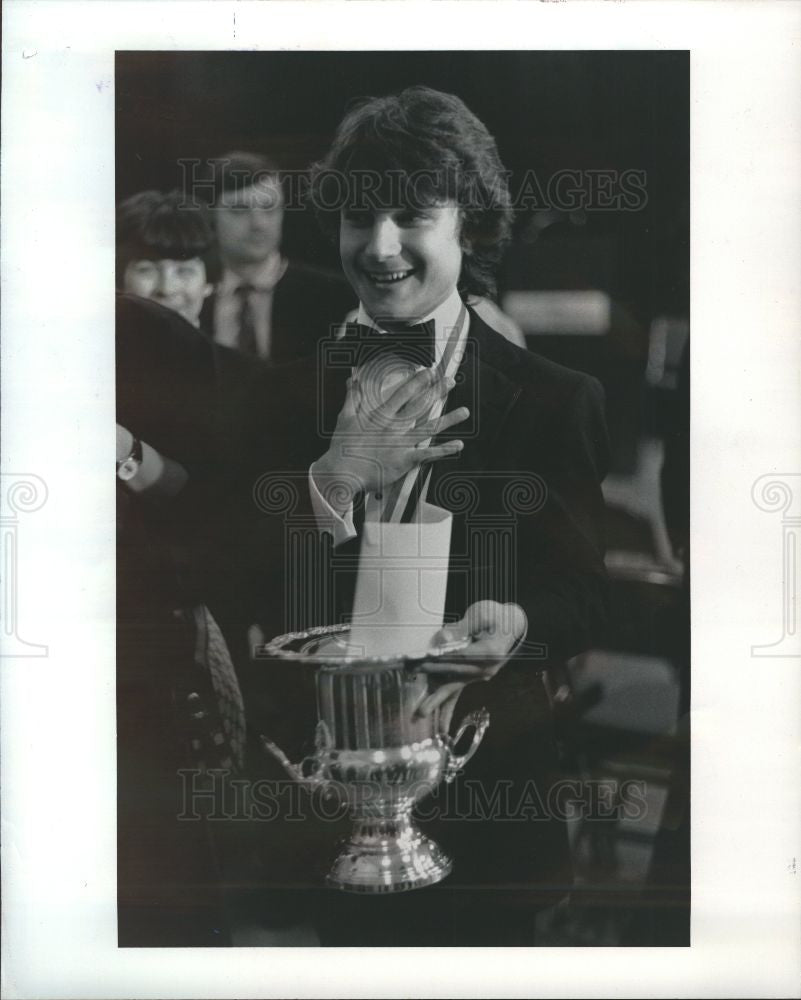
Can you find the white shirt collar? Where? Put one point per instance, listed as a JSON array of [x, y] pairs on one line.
[[445, 318]]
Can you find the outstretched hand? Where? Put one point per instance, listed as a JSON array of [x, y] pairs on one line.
[[494, 629], [376, 442]]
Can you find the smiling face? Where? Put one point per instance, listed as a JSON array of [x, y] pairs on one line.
[[249, 222], [177, 284], [402, 263]]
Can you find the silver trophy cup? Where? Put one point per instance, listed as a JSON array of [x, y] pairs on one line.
[[373, 748]]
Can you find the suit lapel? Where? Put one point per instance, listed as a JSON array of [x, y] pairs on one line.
[[284, 325], [488, 393], [206, 320]]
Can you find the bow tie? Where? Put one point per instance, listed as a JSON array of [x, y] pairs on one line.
[[412, 343]]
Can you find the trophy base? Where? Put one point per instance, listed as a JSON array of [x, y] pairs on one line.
[[388, 855]]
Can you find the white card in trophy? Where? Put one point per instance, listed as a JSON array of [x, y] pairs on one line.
[[399, 602]]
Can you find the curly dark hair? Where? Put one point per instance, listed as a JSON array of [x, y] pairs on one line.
[[420, 146], [152, 225]]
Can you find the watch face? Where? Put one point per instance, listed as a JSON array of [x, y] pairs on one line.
[[128, 469]]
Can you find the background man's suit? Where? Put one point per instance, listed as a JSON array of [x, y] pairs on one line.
[[304, 303]]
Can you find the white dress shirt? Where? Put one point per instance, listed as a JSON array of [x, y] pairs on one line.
[[445, 318], [228, 304]]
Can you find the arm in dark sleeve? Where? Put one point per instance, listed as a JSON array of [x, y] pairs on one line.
[[267, 512], [190, 400]]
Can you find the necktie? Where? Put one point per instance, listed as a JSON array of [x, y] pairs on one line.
[[247, 343]]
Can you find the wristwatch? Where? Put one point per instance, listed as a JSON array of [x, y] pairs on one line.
[[128, 467]]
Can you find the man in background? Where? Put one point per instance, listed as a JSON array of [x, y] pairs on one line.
[[264, 305]]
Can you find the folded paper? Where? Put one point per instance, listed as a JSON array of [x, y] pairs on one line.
[[399, 602]]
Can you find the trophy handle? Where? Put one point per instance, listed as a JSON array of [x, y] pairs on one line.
[[295, 771], [479, 720]]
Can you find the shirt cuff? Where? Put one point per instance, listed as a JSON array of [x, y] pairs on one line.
[[328, 520]]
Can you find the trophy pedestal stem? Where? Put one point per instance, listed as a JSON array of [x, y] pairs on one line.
[[387, 854]]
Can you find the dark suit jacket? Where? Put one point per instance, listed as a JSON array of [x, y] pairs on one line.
[[529, 477], [305, 302]]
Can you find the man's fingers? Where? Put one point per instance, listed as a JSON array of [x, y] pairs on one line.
[[443, 697], [421, 381], [453, 632], [468, 671], [431, 428], [432, 453], [425, 382], [351, 398], [448, 420], [490, 647], [491, 617]]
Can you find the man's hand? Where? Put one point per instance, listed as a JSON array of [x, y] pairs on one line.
[[377, 442], [494, 629]]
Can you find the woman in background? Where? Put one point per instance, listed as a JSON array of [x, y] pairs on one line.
[[166, 252]]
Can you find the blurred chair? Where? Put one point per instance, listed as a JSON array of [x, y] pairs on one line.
[[586, 329], [617, 712], [667, 340], [618, 708]]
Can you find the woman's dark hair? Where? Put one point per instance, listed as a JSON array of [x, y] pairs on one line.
[[152, 225], [420, 146]]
